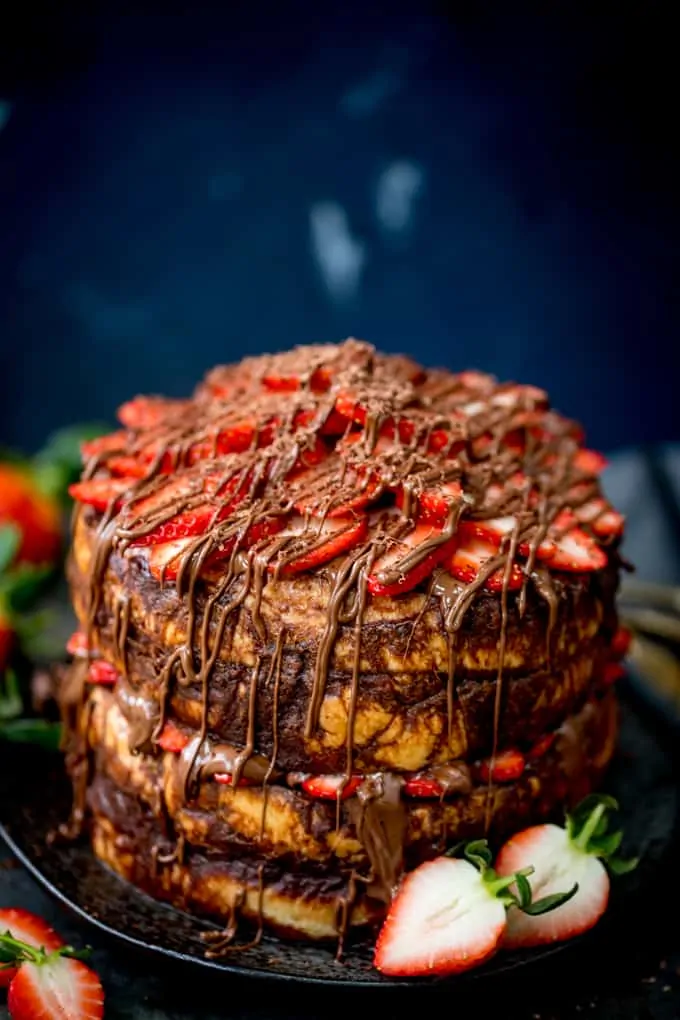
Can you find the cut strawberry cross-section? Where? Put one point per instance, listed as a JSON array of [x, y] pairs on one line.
[[589, 462], [164, 560], [423, 786], [102, 672], [147, 412], [496, 530], [506, 767], [436, 504], [603, 521], [398, 570], [172, 739], [332, 787], [312, 544], [110, 443], [472, 555], [100, 493], [328, 490], [576, 551], [227, 495]]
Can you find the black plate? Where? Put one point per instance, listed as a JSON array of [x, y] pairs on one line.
[[34, 798]]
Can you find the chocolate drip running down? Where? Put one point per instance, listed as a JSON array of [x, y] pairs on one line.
[[246, 481]]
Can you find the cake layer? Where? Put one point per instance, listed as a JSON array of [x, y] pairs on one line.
[[282, 821]]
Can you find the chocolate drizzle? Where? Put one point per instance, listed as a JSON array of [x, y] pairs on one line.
[[250, 478]]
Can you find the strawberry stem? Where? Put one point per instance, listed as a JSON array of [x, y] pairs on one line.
[[589, 828]]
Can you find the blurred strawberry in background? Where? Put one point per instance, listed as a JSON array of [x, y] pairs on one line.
[[34, 507]]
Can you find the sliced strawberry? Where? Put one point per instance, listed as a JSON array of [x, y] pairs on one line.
[[164, 560], [612, 672], [319, 382], [449, 916], [436, 504], [226, 779], [129, 467], [621, 642], [541, 747], [147, 412], [395, 561], [332, 787], [318, 545], [564, 858], [196, 521], [26, 927], [604, 521], [590, 462], [100, 492], [102, 672], [172, 739], [577, 551], [264, 528], [496, 530], [423, 786], [469, 558], [77, 645], [55, 987], [112, 442], [506, 767]]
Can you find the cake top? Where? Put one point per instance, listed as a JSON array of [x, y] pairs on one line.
[[387, 476]]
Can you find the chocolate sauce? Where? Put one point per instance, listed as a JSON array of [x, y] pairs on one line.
[[379, 816]]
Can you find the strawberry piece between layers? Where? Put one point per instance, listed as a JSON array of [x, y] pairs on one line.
[[563, 858], [28, 928], [172, 739], [506, 767], [332, 787], [423, 786], [102, 672], [394, 561]]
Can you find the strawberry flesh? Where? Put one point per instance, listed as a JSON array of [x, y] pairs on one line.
[[60, 988], [469, 558], [558, 865], [321, 544], [100, 492], [172, 739], [102, 672], [332, 787], [506, 767], [423, 786], [390, 561], [442, 921], [577, 551], [29, 928]]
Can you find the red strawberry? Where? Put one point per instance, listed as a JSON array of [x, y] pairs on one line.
[[318, 490], [25, 927], [102, 672], [110, 443], [469, 558], [621, 642], [390, 562], [436, 503], [318, 544], [612, 672], [564, 857], [129, 467], [146, 412], [332, 787], [506, 767], [604, 521], [319, 381], [36, 516], [541, 747], [449, 915], [77, 645], [164, 560], [576, 551], [55, 986], [496, 530], [172, 739], [226, 779], [590, 462], [100, 492], [423, 786]]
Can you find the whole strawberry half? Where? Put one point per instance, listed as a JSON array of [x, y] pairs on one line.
[[578, 854], [449, 915], [50, 985], [26, 927]]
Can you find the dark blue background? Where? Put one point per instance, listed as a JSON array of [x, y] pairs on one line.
[[160, 175]]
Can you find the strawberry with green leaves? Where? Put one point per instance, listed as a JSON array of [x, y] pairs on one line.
[[449, 915], [50, 982], [580, 854]]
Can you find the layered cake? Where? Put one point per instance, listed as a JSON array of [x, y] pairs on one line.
[[337, 613]]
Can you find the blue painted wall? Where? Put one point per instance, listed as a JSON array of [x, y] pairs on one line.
[[177, 192]]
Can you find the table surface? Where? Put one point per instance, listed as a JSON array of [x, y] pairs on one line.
[[638, 979]]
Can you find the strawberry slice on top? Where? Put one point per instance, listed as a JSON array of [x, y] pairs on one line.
[[312, 543], [575, 855], [575, 550], [398, 570], [101, 493], [472, 555]]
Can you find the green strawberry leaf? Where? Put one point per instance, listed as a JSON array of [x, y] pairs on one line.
[[21, 586], [10, 540], [548, 903], [32, 731]]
